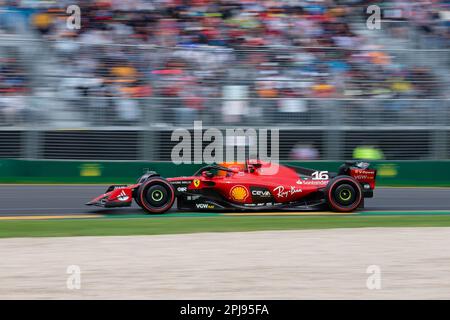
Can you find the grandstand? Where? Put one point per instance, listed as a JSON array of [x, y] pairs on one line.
[[135, 70]]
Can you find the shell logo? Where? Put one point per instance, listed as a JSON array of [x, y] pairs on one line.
[[239, 193]]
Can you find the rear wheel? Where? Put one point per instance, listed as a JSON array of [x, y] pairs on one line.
[[344, 194], [156, 195]]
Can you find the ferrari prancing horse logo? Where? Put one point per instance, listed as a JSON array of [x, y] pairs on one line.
[[196, 183]]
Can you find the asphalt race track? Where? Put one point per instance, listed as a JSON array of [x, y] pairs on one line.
[[21, 200]]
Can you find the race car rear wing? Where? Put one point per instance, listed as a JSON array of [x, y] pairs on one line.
[[361, 172]]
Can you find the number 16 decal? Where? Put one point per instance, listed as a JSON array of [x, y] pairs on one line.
[[320, 175]]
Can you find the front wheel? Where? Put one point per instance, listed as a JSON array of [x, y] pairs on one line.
[[156, 195], [343, 194]]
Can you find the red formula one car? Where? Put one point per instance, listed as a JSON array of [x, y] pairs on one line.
[[251, 186]]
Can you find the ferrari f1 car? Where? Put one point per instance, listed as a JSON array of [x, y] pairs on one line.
[[250, 186]]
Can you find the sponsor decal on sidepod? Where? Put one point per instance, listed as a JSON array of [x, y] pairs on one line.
[[281, 193], [261, 193], [239, 193]]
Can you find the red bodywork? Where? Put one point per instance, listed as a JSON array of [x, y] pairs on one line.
[[364, 176], [119, 196], [255, 183], [285, 186]]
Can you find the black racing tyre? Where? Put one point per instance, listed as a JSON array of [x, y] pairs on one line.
[[343, 194], [156, 195], [136, 198], [147, 176]]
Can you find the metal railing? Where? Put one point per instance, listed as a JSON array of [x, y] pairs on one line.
[[94, 112], [115, 143], [123, 101], [140, 129]]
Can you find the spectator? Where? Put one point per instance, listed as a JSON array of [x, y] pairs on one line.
[[304, 152], [368, 152], [288, 49]]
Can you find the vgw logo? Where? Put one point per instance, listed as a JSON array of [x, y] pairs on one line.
[[204, 206]]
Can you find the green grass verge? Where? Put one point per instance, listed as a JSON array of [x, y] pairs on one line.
[[146, 226]]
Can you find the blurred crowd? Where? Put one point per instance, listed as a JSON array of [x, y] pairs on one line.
[[197, 50], [430, 18], [14, 85]]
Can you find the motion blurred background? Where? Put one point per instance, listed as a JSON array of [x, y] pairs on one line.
[[86, 108], [136, 69]]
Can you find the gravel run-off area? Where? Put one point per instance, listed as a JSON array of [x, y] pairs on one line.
[[412, 263]]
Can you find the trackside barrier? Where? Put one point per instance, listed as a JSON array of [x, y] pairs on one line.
[[390, 173]]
